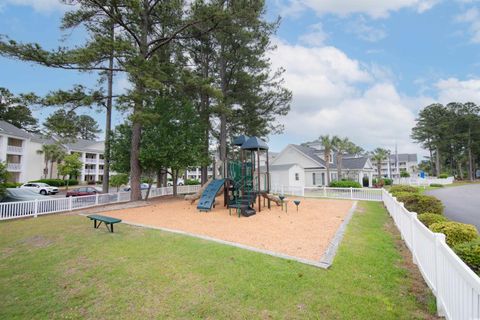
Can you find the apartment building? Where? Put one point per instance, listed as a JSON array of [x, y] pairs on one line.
[[403, 162], [22, 153]]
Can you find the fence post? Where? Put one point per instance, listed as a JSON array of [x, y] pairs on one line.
[[35, 212], [413, 216], [351, 193], [439, 239], [118, 196], [96, 198], [324, 191], [70, 203]]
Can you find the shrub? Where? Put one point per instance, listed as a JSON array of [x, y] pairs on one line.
[[404, 174], [388, 182], [192, 182], [469, 252], [420, 203], [12, 184], [436, 185], [428, 218], [58, 182], [455, 232], [345, 184], [443, 176], [401, 188]]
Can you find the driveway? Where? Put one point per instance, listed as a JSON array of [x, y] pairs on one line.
[[461, 203]]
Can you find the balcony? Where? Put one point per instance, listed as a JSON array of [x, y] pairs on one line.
[[14, 166], [14, 149], [90, 160]]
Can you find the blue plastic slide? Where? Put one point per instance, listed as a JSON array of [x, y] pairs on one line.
[[208, 196]]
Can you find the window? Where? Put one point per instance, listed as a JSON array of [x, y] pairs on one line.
[[314, 182], [297, 177]]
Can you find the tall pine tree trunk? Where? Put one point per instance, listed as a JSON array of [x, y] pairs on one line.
[[437, 162], [470, 157], [108, 122], [223, 117]]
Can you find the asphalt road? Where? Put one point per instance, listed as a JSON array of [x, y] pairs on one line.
[[462, 203]]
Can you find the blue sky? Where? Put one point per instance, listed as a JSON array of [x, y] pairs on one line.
[[357, 68]]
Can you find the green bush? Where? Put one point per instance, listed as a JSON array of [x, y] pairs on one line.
[[345, 184], [404, 174], [443, 176], [192, 182], [388, 182], [58, 182], [428, 218], [402, 188], [12, 184], [436, 185], [455, 232], [469, 252], [420, 203]]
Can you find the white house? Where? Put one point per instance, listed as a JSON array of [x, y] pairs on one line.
[[305, 166]]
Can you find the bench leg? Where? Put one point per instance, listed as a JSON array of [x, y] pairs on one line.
[[111, 227]]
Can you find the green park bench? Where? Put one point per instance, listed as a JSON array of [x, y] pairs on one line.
[[106, 220]]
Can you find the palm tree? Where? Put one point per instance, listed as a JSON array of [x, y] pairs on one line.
[[341, 146], [328, 146], [378, 155], [51, 153]]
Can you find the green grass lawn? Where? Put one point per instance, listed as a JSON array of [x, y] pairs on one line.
[[60, 267]]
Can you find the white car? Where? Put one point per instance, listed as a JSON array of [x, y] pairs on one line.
[[180, 182], [40, 187]]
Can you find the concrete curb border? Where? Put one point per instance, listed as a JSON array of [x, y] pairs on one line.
[[324, 263]]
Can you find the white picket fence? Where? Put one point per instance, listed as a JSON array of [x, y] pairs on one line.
[[12, 210], [455, 285], [417, 181], [367, 194]]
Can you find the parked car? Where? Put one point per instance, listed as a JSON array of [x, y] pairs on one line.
[[21, 194], [83, 191], [180, 182], [143, 186], [40, 187]]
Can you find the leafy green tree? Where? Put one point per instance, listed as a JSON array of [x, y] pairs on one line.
[[4, 175], [87, 127], [118, 180], [15, 110], [378, 156], [70, 166]]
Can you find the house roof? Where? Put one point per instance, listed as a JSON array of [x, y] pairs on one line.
[[11, 130], [86, 145], [356, 163], [310, 152]]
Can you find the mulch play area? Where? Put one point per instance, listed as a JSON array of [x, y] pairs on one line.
[[305, 234]]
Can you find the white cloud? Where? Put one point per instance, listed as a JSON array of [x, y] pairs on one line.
[[471, 17], [455, 90], [315, 37], [366, 32], [373, 8], [40, 5], [334, 94]]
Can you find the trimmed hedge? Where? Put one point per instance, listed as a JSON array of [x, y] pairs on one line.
[[403, 188], [428, 218], [443, 176], [404, 174], [345, 184], [469, 252], [388, 182], [420, 203], [455, 232], [58, 182], [12, 184], [192, 182], [436, 185]]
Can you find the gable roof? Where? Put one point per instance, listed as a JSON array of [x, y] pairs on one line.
[[309, 152], [86, 145], [11, 130]]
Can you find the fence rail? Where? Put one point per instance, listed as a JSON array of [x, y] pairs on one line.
[[417, 181], [33, 208], [327, 192], [455, 285]]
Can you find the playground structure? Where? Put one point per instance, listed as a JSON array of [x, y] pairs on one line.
[[244, 183]]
